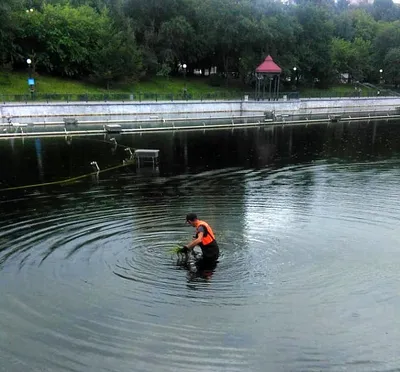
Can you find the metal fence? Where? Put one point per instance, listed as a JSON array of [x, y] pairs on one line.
[[186, 96], [124, 97], [140, 97], [318, 93]]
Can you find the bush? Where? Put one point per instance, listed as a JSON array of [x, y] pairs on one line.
[[216, 80]]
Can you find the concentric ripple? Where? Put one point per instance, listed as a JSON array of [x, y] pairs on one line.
[[307, 279]]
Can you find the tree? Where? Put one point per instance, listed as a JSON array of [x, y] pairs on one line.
[[227, 30], [76, 42], [112, 40], [176, 38], [61, 37], [8, 48], [352, 57], [392, 66], [365, 27], [342, 5], [115, 57], [384, 10], [388, 37], [314, 43], [344, 28]]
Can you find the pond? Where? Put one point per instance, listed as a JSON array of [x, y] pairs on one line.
[[308, 223]]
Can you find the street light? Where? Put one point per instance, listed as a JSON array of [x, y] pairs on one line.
[[184, 70], [184, 76], [31, 82], [29, 61]]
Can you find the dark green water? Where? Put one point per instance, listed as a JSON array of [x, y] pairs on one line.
[[308, 220]]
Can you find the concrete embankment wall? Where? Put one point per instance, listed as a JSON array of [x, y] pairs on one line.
[[327, 106], [47, 112]]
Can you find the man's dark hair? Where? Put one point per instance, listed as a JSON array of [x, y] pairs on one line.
[[191, 217]]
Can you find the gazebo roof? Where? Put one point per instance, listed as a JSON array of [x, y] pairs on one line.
[[269, 66]]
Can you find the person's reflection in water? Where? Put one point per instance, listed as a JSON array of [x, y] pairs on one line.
[[205, 268], [205, 265], [197, 265]]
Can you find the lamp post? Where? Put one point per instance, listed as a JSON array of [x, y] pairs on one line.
[[29, 61], [184, 70], [184, 76], [31, 81], [295, 76]]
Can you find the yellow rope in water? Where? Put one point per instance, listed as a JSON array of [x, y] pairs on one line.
[[68, 180], [72, 179]]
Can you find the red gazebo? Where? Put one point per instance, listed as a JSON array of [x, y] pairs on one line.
[[268, 70]]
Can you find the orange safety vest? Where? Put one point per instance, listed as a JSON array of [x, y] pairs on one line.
[[208, 236]]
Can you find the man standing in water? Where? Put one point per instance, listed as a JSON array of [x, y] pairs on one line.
[[204, 238]]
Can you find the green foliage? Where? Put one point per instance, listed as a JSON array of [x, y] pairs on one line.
[[7, 31], [314, 44], [115, 57], [124, 41], [352, 57], [342, 5], [388, 37], [164, 71], [365, 27], [392, 65], [175, 250], [385, 10], [175, 39], [81, 41], [60, 38]]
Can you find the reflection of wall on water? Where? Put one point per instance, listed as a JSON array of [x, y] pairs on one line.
[[362, 140], [265, 146], [18, 160], [37, 160], [182, 152], [198, 173], [38, 147], [196, 151], [274, 145], [27, 161]]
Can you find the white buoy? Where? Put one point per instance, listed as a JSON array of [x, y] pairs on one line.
[[95, 166], [128, 150]]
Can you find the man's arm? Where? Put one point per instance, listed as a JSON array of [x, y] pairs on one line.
[[196, 241]]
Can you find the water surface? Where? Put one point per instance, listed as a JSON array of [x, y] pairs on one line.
[[308, 220]]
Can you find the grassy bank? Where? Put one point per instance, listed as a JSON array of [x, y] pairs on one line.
[[13, 87], [16, 83], [344, 90]]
